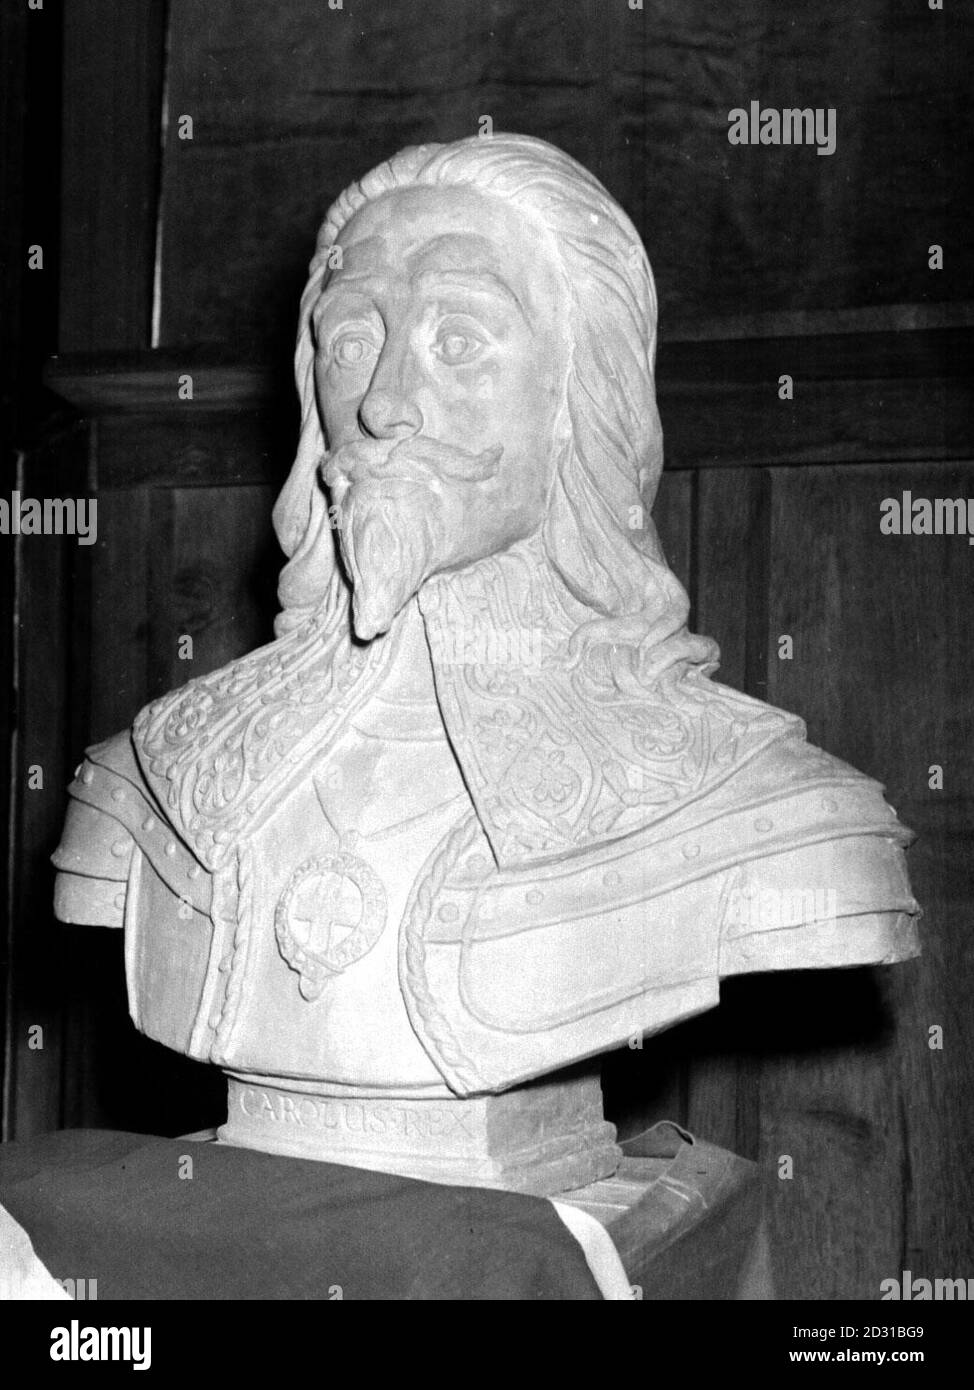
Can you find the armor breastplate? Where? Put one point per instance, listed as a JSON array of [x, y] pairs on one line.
[[267, 963]]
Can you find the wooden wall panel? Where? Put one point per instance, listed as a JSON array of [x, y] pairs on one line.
[[223, 580], [882, 672], [112, 107], [50, 627], [289, 107], [120, 606], [720, 1052], [860, 390], [672, 514]]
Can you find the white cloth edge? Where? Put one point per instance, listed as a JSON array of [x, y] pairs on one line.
[[23, 1277], [599, 1250]]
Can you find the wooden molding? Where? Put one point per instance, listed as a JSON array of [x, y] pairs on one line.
[[861, 394], [147, 383]]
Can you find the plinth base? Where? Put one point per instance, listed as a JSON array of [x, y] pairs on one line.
[[687, 1222], [544, 1138]]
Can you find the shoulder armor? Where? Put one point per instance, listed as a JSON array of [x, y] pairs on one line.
[[112, 812]]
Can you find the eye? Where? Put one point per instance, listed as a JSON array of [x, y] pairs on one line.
[[456, 346], [352, 349]]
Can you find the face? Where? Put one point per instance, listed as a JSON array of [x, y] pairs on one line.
[[441, 358]]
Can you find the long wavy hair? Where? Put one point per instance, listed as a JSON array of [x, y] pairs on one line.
[[597, 533]]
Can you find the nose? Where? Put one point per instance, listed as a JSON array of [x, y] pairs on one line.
[[385, 414]]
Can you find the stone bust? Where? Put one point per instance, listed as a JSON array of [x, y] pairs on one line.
[[480, 811]]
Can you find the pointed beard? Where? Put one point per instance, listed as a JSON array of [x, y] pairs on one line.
[[387, 546]]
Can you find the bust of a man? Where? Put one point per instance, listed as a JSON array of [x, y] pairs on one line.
[[479, 812]]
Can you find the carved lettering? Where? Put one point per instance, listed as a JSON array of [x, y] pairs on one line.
[[352, 1116]]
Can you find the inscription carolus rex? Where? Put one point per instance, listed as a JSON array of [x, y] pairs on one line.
[[353, 1117], [480, 811]]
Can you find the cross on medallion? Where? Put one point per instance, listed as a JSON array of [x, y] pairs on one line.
[[330, 908]]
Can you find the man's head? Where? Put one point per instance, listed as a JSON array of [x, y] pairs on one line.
[[475, 366], [440, 361]]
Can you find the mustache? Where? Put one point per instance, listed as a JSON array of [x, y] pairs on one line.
[[416, 459]]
